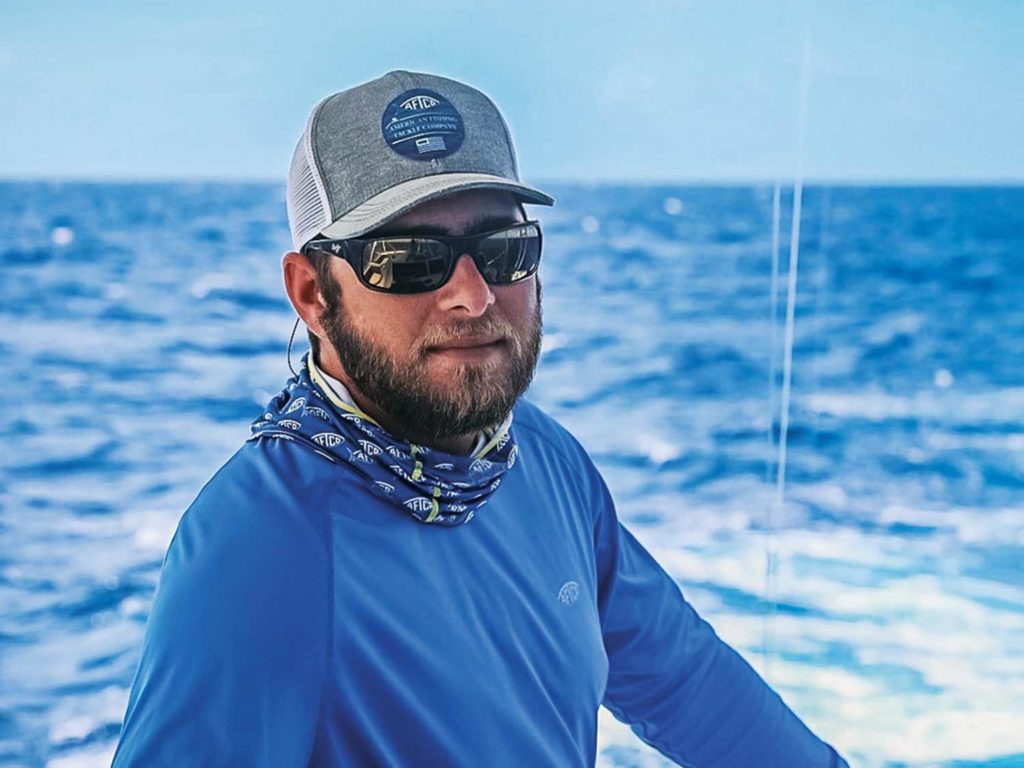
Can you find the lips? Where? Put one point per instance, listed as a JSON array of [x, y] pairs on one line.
[[469, 343], [468, 349]]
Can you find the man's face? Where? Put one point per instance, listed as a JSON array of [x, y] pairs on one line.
[[449, 362]]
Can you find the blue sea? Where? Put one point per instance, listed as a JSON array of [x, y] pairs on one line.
[[844, 503]]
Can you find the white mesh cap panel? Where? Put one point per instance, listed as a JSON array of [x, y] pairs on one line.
[[308, 207]]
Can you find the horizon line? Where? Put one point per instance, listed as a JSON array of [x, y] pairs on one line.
[[881, 181]]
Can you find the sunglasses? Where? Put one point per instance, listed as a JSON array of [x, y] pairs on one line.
[[417, 264]]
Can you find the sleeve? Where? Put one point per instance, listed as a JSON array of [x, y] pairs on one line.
[[681, 689], [233, 659]]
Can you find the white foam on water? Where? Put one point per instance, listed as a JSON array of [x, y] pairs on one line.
[[85, 757], [994, 405], [673, 206], [656, 448], [212, 281], [116, 291], [135, 607], [932, 651], [552, 341], [654, 247], [892, 325], [1004, 442], [616, 734], [62, 236], [153, 530], [992, 525], [943, 378]]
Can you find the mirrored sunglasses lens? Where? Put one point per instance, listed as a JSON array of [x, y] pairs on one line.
[[405, 264], [510, 255]]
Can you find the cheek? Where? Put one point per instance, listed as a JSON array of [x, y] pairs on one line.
[[392, 323], [518, 302]]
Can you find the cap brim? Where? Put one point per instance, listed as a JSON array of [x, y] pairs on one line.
[[393, 202]]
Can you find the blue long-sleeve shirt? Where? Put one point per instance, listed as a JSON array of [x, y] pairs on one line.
[[302, 621]]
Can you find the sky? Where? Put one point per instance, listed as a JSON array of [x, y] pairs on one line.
[[647, 90]]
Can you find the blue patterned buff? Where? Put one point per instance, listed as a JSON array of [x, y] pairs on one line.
[[431, 485]]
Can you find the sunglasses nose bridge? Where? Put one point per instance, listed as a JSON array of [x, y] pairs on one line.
[[466, 289]]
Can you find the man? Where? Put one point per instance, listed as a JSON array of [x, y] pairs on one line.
[[407, 564]]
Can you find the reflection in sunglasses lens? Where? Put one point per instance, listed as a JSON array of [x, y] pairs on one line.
[[418, 264]]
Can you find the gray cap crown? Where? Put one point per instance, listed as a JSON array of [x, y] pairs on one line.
[[372, 152]]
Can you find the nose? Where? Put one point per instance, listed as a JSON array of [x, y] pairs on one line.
[[466, 292]]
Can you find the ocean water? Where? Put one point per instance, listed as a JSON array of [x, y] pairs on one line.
[[880, 588]]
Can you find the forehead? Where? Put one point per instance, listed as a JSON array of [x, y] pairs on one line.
[[460, 212]]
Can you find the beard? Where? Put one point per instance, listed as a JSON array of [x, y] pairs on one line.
[[473, 397]]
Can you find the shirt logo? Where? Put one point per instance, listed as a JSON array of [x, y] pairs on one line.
[[569, 593]]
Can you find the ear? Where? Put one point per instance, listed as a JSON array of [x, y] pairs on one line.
[[303, 291]]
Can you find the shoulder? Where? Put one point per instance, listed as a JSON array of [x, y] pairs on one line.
[[265, 478], [262, 506], [540, 434], [537, 429], [540, 425], [281, 468]]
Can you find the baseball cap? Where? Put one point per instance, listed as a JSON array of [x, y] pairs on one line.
[[372, 152]]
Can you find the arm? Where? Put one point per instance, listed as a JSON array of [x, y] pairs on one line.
[[234, 653], [682, 689]]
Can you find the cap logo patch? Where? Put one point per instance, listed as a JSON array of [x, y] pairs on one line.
[[422, 125]]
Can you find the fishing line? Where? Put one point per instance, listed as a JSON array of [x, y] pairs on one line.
[[787, 362], [769, 526], [776, 216]]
